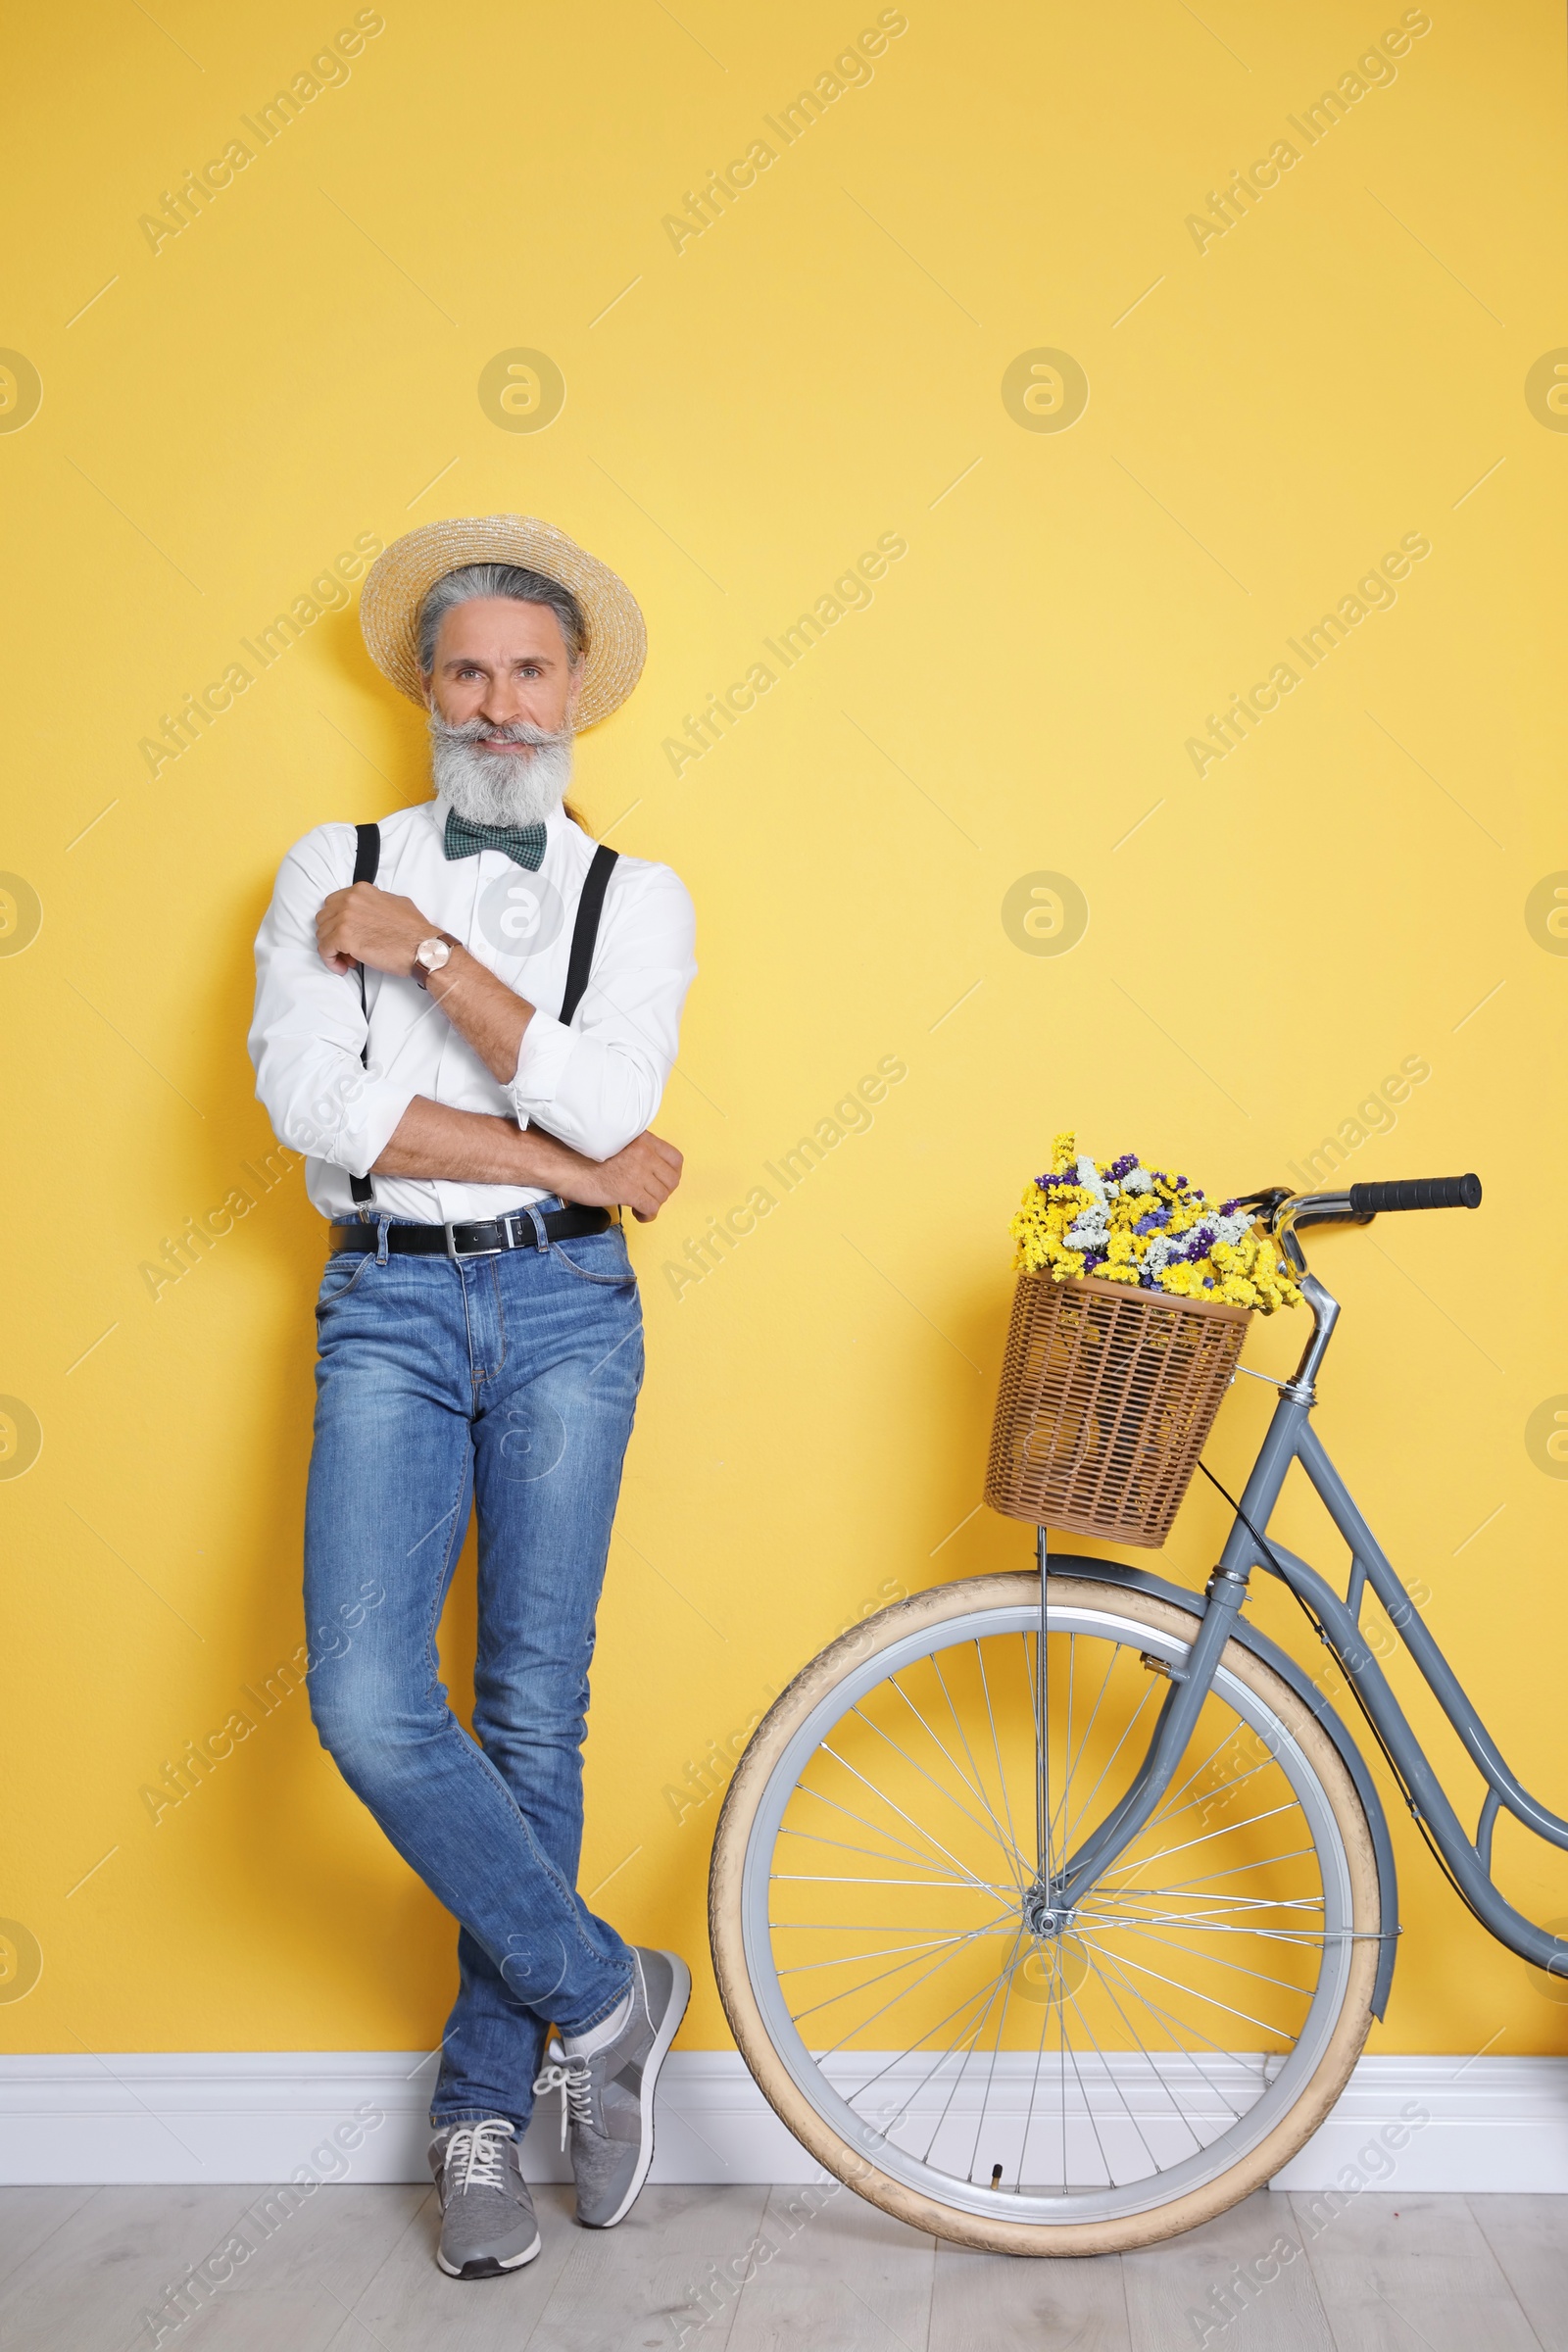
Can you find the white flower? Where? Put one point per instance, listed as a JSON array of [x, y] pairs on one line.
[[1138, 1180], [1090, 1178]]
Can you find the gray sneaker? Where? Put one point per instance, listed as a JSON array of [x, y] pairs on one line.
[[606, 2101], [487, 2223]]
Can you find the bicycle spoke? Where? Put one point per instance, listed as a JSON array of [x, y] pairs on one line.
[[807, 1878], [969, 2000], [994, 1834], [1176, 2052], [1209, 1999], [1069, 1766], [1087, 2104], [887, 1800], [1223, 1740], [1004, 1987], [802, 1968], [1195, 1922], [958, 2080], [1208, 1795], [1001, 1777], [875, 1828], [1110, 2077], [965, 2050], [1219, 1960], [1229, 1902], [1147, 1861], [1153, 2074], [1167, 1892], [838, 1997], [1083, 1810], [815, 1838], [935, 2068], [1034, 2089], [976, 1787]]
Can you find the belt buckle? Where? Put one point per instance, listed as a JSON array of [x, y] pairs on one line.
[[448, 1226]]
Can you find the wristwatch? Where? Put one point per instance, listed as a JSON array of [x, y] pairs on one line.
[[431, 955]]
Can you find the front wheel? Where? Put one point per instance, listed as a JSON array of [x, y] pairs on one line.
[[989, 2069]]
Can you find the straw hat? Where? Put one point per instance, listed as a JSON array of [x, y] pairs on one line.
[[403, 573]]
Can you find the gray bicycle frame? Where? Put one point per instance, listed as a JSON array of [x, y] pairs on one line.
[[1291, 1438]]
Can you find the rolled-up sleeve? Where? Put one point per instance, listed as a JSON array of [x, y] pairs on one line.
[[599, 1084], [309, 1028]]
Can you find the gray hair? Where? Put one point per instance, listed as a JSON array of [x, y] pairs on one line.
[[473, 580]]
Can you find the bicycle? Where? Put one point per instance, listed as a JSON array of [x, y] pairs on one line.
[[1037, 1982]]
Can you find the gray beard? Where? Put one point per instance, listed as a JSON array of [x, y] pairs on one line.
[[487, 788]]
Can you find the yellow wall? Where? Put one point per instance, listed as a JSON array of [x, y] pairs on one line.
[[1269, 412]]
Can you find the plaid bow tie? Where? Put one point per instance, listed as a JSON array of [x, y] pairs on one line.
[[523, 843]]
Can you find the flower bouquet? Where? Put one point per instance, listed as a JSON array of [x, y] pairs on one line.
[[1118, 1221], [1133, 1299]]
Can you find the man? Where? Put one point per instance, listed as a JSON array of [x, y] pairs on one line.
[[478, 1323]]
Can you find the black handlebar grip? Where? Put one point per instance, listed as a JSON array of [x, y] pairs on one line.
[[1416, 1192]]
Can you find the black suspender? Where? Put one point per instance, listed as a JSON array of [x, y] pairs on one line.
[[366, 852], [367, 862], [579, 964], [589, 908]]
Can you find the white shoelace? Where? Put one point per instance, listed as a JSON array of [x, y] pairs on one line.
[[474, 2158], [569, 2076]]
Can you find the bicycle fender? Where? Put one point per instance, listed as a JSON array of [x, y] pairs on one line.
[[1159, 1588]]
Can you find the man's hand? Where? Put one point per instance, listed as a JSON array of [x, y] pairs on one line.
[[477, 1146], [366, 925], [641, 1178]]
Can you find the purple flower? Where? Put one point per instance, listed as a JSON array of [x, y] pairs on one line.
[[1122, 1167], [1155, 1221]]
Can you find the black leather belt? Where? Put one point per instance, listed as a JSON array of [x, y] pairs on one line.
[[491, 1237]]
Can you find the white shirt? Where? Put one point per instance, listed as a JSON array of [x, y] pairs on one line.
[[595, 1085]]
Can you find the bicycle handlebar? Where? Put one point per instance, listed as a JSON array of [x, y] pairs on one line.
[[1415, 1192], [1283, 1213]]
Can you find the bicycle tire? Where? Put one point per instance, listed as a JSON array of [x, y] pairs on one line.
[[793, 2082]]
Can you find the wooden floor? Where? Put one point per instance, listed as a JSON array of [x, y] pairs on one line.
[[81, 2268]]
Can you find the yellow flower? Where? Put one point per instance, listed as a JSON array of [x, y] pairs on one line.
[[1244, 1271]]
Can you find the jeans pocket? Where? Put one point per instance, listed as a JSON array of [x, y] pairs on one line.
[[341, 1273], [610, 1248]]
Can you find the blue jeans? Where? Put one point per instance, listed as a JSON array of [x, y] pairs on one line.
[[511, 1381]]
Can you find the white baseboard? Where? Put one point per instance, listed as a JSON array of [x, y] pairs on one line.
[[1494, 2123], [263, 2116]]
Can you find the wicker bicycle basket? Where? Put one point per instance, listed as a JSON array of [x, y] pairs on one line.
[[1108, 1395]]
